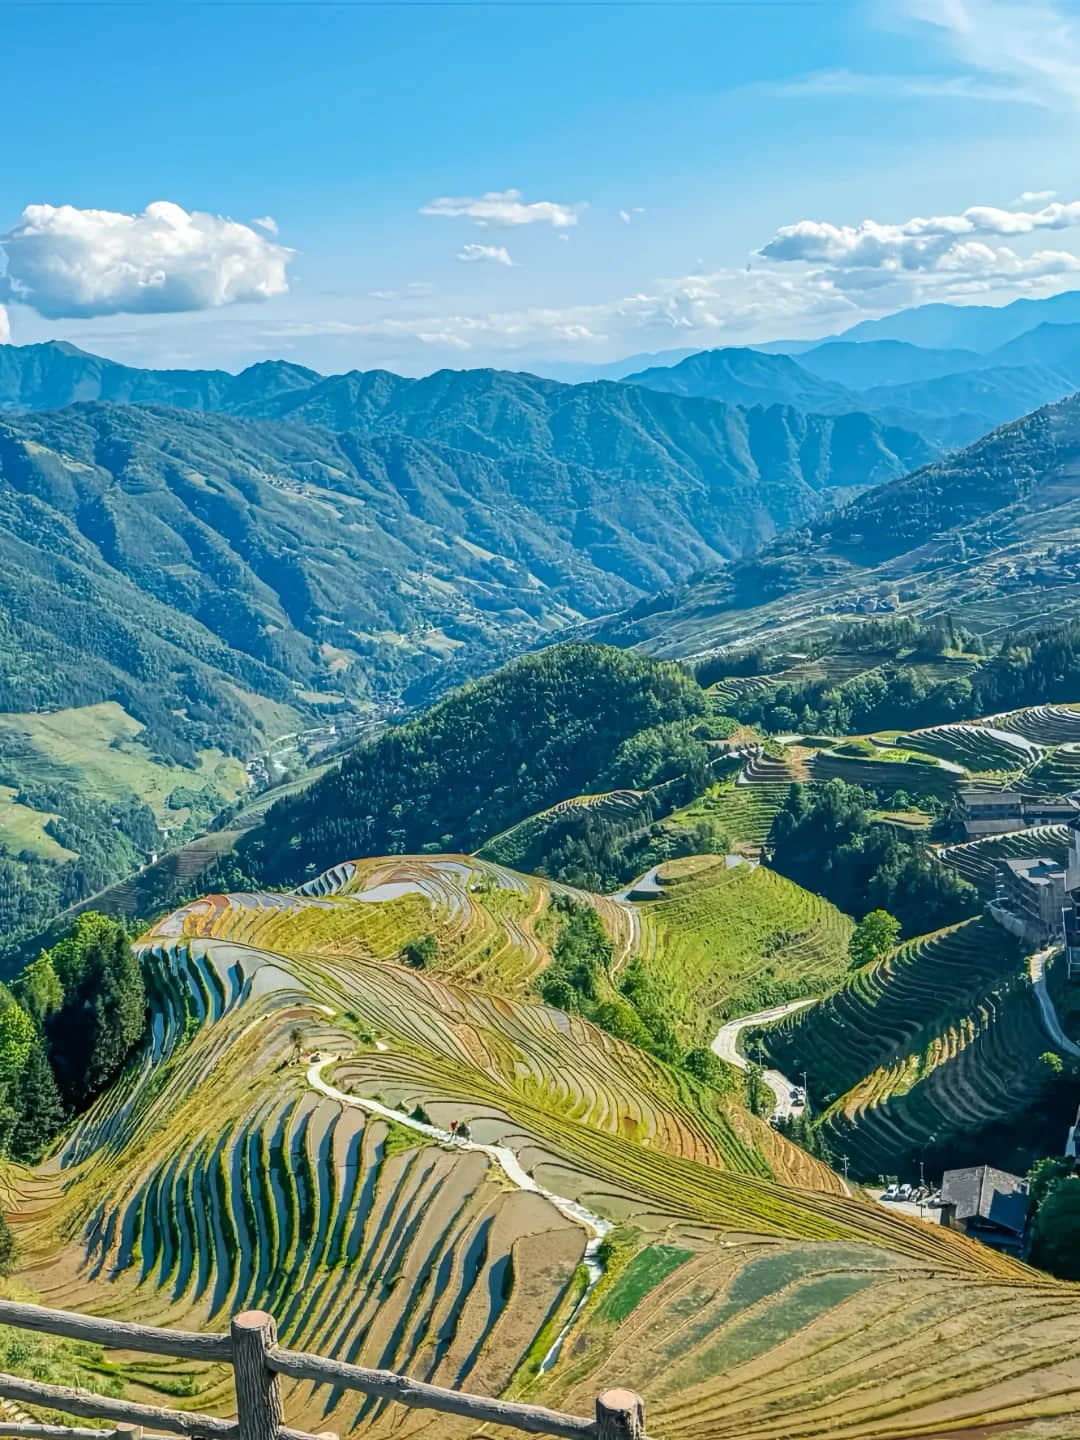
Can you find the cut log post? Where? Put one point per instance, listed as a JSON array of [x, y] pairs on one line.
[[259, 1411], [620, 1415], [128, 1432]]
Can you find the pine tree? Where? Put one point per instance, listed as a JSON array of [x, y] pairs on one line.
[[38, 1106]]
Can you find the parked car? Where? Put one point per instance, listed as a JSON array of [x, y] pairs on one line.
[[892, 1193]]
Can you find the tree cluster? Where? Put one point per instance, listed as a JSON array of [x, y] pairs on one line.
[[827, 840]]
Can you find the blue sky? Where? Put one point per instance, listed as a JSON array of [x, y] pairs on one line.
[[657, 175]]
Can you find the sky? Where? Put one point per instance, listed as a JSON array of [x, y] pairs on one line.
[[417, 185]]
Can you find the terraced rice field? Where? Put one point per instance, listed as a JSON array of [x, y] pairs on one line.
[[1058, 773], [725, 941], [524, 842], [980, 1069], [213, 1176], [1045, 724], [492, 926], [974, 859], [883, 1010], [914, 777], [744, 812], [976, 748], [941, 1038]]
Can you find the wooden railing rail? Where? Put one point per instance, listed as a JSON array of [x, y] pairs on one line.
[[257, 1362]]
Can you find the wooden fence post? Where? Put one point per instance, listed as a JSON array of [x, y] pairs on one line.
[[128, 1432], [620, 1415], [259, 1410]]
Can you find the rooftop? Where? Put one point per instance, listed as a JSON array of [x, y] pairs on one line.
[[1035, 869], [983, 1193]]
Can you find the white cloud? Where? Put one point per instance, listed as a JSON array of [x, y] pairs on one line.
[[1033, 45], [900, 87], [491, 254], [414, 290], [67, 263], [5, 327], [267, 223], [504, 207], [949, 246], [1034, 197], [626, 216]]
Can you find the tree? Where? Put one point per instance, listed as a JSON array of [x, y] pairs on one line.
[[104, 1009], [8, 1248], [759, 1098], [1055, 1242], [703, 1064], [17, 1036], [39, 1110], [420, 953], [38, 990], [873, 937]]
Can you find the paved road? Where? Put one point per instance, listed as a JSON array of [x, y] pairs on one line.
[[1051, 1023], [726, 1045]]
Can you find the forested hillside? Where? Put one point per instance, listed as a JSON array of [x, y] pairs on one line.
[[492, 753]]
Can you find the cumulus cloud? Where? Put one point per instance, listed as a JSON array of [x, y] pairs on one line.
[[1034, 197], [490, 254], [267, 223], [951, 246], [5, 326], [67, 263], [504, 207]]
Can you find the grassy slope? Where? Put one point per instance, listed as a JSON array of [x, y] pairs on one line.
[[99, 744]]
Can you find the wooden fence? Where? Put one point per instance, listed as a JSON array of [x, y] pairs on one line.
[[258, 1361]]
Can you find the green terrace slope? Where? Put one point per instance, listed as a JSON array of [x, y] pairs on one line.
[[923, 1052], [327, 1191]]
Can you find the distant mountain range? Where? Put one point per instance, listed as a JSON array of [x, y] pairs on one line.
[[950, 396], [371, 535], [989, 535]]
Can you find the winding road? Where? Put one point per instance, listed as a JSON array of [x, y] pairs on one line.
[[595, 1226], [1051, 1023], [726, 1045]]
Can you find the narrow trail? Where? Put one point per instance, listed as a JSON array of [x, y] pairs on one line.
[[726, 1045], [1051, 1023], [504, 1157]]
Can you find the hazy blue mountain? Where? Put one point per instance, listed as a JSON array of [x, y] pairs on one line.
[[862, 366], [55, 374], [749, 377], [1050, 347], [148, 554], [968, 327], [954, 410], [572, 373]]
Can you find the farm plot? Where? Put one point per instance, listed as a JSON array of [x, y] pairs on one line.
[[725, 941], [980, 1068], [523, 844], [886, 1010], [976, 748], [488, 925], [1057, 773], [724, 1286]]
